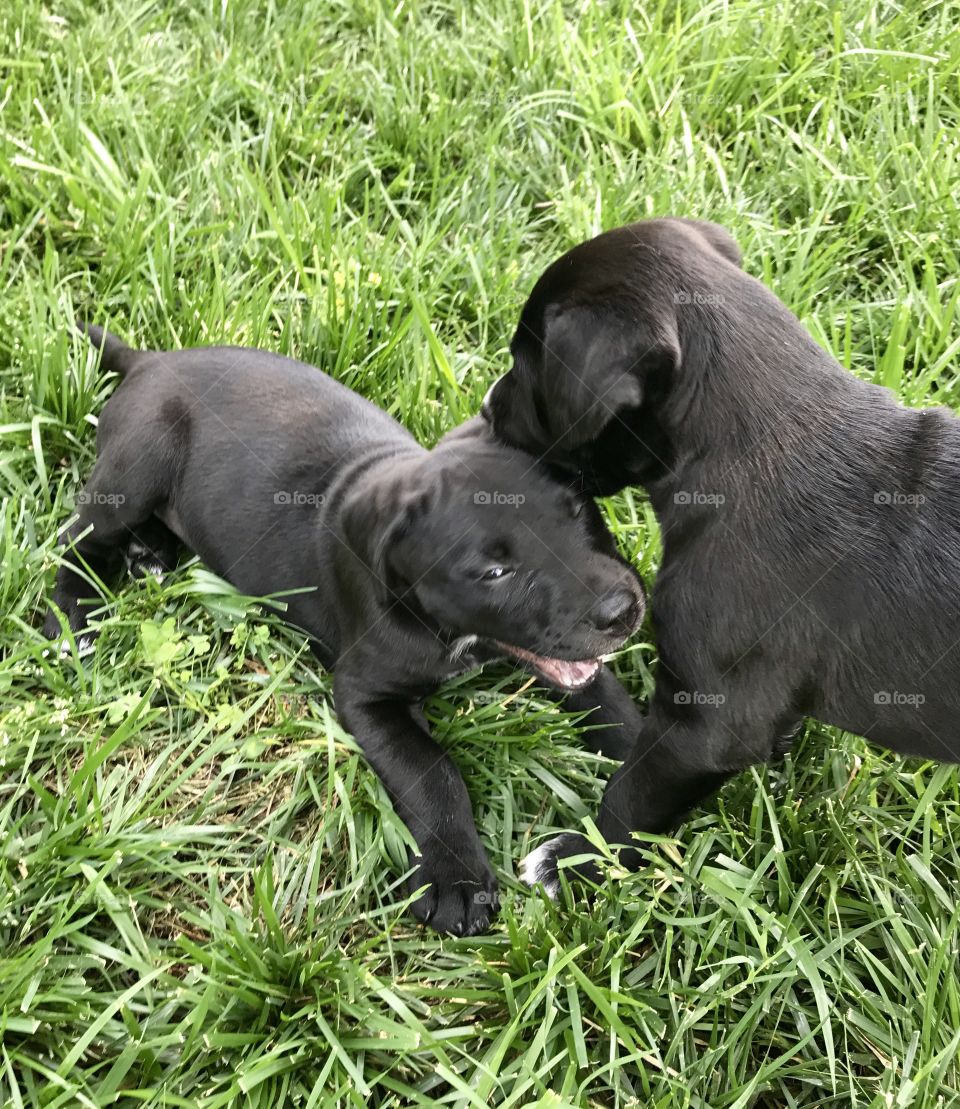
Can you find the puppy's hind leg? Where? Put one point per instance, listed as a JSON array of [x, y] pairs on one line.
[[110, 508]]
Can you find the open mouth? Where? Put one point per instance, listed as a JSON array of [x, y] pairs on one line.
[[561, 672]]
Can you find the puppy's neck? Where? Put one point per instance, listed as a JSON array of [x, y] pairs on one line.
[[751, 376]]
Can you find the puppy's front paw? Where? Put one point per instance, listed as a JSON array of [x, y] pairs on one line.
[[542, 865], [462, 897]]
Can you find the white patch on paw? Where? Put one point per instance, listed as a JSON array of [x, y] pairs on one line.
[[62, 648], [141, 567], [540, 868], [154, 569]]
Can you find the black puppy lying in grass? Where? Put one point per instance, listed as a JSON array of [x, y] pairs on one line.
[[421, 564], [811, 525]]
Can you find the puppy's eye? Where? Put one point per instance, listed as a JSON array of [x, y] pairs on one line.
[[495, 573]]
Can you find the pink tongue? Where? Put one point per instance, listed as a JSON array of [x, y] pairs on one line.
[[563, 672]]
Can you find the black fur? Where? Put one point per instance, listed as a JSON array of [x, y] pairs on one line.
[[281, 479], [811, 524]]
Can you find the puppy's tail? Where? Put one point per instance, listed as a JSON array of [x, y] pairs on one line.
[[115, 356]]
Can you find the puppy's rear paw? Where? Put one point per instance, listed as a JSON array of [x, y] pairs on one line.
[[143, 562], [147, 568], [61, 647], [542, 865]]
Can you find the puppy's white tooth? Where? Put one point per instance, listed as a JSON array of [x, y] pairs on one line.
[[540, 867], [85, 645], [155, 569]]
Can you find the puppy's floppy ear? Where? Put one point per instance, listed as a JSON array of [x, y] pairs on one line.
[[376, 519], [717, 237], [597, 364]]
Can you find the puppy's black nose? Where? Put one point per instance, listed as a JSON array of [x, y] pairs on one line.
[[616, 608]]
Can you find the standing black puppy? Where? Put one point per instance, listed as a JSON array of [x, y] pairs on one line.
[[419, 564], [811, 525]]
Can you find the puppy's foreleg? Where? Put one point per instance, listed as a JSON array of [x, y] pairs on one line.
[[429, 796], [671, 770], [675, 764]]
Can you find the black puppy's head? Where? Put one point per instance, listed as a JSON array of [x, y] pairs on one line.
[[483, 543], [599, 346]]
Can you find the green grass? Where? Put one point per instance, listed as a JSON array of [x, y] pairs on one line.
[[199, 876]]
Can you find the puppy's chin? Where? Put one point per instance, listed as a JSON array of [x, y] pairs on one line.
[[602, 487], [581, 474]]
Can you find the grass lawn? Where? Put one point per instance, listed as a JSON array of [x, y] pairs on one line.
[[199, 876]]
